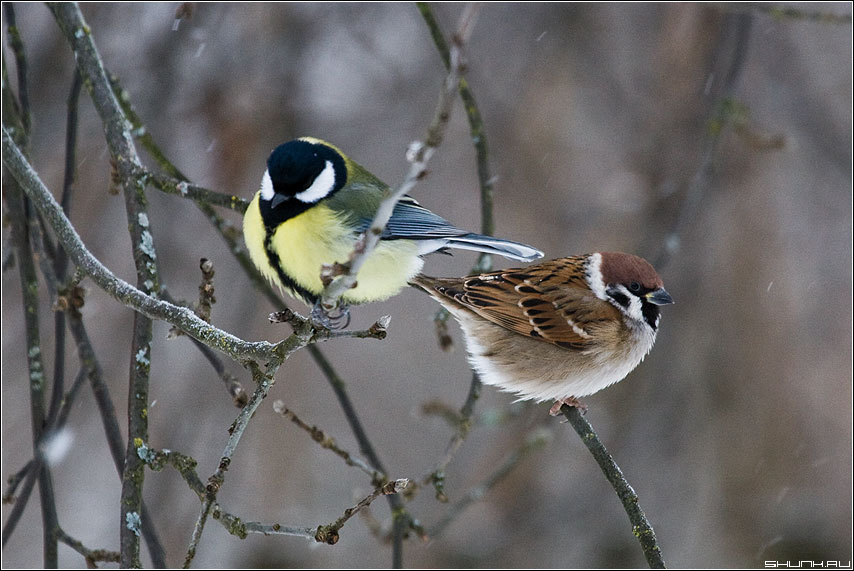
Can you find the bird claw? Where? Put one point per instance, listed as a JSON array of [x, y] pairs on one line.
[[568, 401], [338, 318]]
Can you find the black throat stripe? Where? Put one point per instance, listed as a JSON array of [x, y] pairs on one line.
[[287, 281]]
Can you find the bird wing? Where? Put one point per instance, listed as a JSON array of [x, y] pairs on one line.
[[550, 301], [412, 221]]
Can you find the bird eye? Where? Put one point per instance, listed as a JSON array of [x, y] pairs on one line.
[[635, 287]]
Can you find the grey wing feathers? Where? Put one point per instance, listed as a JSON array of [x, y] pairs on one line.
[[412, 221]]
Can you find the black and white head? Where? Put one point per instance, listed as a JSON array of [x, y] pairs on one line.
[[299, 174], [630, 283]]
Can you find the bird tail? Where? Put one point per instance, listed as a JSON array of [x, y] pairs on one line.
[[490, 245], [425, 283], [442, 290]]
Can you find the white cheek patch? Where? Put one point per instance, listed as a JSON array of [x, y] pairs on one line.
[[635, 308], [267, 191], [597, 285], [322, 185]]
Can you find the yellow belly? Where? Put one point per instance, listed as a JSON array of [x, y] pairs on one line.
[[317, 237]]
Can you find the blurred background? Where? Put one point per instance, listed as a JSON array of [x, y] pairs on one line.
[[736, 432]]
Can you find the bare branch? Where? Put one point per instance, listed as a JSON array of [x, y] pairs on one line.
[[122, 291], [15, 202], [178, 187], [534, 441], [641, 527], [329, 533], [463, 426], [418, 155], [131, 176], [92, 556], [265, 381], [17, 45], [377, 477], [104, 401], [379, 330]]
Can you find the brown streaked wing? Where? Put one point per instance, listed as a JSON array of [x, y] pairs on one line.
[[542, 301]]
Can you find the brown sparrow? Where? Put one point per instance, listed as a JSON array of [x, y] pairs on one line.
[[557, 330]]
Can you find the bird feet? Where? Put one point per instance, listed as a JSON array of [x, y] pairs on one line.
[[568, 401], [338, 318]]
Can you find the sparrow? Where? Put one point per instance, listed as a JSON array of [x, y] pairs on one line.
[[557, 330]]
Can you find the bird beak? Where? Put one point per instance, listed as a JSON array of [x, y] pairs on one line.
[[277, 200], [659, 297]]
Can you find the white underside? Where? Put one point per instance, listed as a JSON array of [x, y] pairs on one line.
[[547, 372]]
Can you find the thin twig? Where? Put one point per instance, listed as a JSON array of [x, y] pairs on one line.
[[485, 178], [641, 528], [28, 474], [265, 381], [463, 426], [232, 385], [185, 465], [203, 311], [477, 133], [91, 556], [175, 182], [17, 206], [533, 442], [35, 465], [239, 528], [60, 259], [379, 330], [418, 155], [399, 514], [329, 533], [17, 46], [325, 441], [185, 189], [12, 483]]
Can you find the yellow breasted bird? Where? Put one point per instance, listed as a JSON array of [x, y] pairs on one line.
[[314, 202]]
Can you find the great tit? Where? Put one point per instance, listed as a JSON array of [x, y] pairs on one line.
[[314, 202]]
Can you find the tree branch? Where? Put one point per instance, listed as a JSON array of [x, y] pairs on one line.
[[130, 173], [377, 477], [534, 441], [122, 291], [329, 533], [265, 382], [641, 527], [21, 221], [418, 155]]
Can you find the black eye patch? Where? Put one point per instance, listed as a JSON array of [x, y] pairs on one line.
[[618, 296]]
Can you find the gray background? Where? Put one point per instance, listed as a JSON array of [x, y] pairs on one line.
[[735, 431]]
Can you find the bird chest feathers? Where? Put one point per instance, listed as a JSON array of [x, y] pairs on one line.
[[316, 237]]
